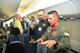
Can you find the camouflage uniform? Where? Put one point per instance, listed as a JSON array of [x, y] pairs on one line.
[[63, 40]]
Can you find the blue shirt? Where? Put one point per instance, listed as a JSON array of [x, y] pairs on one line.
[[42, 26]]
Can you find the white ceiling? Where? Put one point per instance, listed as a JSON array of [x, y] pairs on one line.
[[34, 5], [9, 7], [24, 4], [24, 7]]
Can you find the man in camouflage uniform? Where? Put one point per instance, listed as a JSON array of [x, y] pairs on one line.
[[55, 38]]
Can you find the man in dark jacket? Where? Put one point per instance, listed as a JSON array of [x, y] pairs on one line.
[[40, 30]]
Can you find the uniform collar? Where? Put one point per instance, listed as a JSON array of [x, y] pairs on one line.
[[56, 27]]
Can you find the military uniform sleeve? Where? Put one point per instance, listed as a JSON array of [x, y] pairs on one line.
[[45, 35], [64, 42]]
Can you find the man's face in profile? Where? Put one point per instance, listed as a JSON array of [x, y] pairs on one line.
[[52, 18]]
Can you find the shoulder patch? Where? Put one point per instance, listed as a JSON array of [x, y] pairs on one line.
[[66, 34], [44, 25], [54, 33], [49, 29]]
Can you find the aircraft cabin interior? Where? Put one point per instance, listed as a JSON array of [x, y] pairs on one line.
[[69, 17]]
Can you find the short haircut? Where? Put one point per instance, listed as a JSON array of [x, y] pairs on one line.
[[18, 16], [53, 12], [41, 10]]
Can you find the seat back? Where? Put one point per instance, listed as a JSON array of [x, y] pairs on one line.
[[15, 47]]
